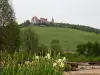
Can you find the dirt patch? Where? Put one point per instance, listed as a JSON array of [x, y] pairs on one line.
[[84, 72]]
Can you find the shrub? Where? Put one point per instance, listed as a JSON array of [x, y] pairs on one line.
[[30, 40], [89, 49], [55, 46], [96, 49], [43, 49], [12, 31], [2, 38]]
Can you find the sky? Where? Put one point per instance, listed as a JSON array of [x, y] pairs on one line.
[[84, 12]]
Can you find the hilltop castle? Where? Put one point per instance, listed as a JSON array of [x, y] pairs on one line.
[[35, 20]]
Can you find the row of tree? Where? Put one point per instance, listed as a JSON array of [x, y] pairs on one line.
[[79, 27], [89, 49]]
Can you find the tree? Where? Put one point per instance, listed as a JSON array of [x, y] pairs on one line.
[[85, 49], [12, 37], [2, 38], [89, 49], [30, 40], [96, 49], [55, 46], [27, 23], [6, 13], [81, 49]]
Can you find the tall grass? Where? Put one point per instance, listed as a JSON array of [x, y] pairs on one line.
[[22, 63]]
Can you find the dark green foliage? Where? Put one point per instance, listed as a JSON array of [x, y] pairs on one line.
[[80, 49], [79, 27], [43, 49], [30, 40], [55, 46], [96, 49], [9, 32], [12, 31], [80, 58], [67, 67], [25, 24], [89, 49], [2, 38]]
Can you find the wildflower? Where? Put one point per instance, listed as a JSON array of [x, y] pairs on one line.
[[37, 57], [19, 65], [59, 60], [32, 62], [62, 65], [58, 53], [3, 62], [64, 58], [48, 56], [54, 64], [45, 57], [27, 62], [7, 65]]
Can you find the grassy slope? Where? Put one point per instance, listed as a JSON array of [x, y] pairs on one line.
[[69, 38]]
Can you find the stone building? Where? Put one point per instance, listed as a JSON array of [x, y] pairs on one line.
[[35, 20]]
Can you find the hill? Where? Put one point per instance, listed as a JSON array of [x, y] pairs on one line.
[[69, 38]]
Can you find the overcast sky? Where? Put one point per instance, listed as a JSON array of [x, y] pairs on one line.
[[85, 12]]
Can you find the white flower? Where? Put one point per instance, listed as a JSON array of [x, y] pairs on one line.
[[64, 58], [54, 64], [48, 56], [45, 57], [58, 53], [37, 57], [62, 65], [19, 65], [59, 60], [27, 62]]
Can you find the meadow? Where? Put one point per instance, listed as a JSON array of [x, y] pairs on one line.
[[69, 38]]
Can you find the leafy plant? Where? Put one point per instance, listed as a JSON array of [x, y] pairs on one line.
[[39, 65]]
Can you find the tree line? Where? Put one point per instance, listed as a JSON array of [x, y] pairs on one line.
[[79, 27]]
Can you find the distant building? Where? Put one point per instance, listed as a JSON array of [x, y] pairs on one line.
[[52, 21], [35, 20]]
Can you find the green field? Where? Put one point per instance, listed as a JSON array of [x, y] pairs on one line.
[[69, 38]]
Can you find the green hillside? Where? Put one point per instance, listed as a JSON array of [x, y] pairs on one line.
[[69, 38]]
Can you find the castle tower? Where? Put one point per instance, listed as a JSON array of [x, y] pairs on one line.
[[52, 21]]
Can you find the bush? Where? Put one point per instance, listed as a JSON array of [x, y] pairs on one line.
[[55, 46], [30, 40], [2, 38], [10, 37], [89, 49], [12, 32], [43, 49]]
